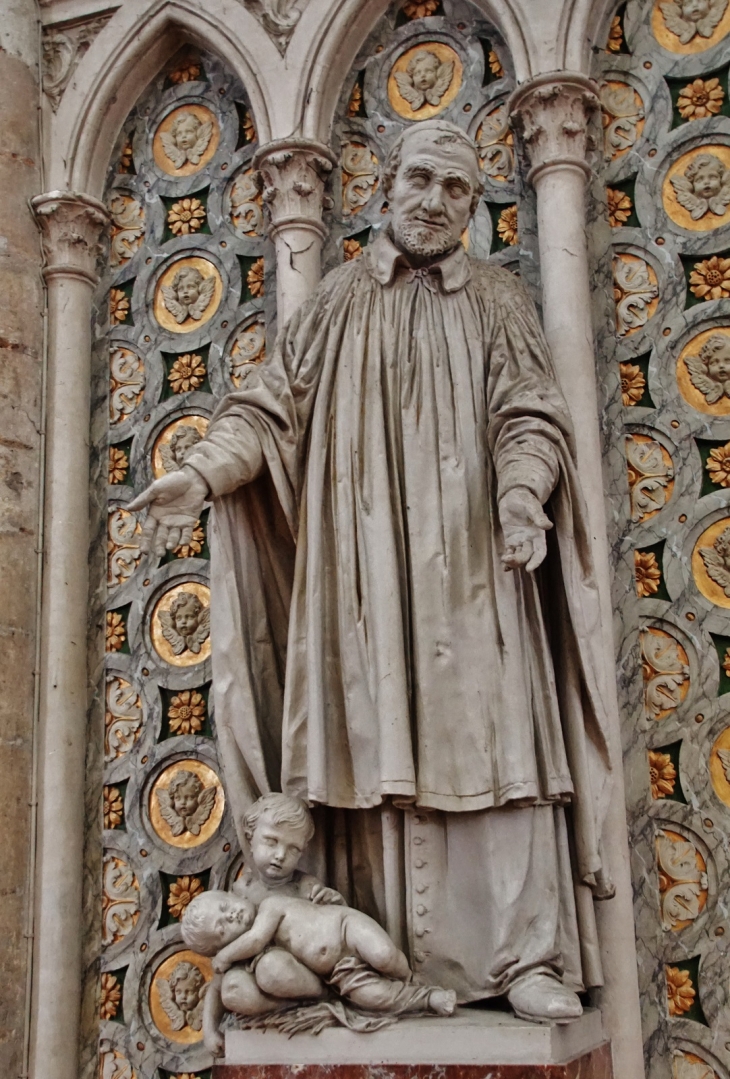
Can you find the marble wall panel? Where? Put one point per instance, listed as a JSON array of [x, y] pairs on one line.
[[664, 92]]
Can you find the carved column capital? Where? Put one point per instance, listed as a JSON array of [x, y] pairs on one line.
[[551, 114], [293, 174], [71, 226]]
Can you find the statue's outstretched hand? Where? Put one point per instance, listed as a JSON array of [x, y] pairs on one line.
[[524, 524], [175, 502]]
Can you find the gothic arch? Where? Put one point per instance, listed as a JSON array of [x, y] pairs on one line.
[[125, 57]]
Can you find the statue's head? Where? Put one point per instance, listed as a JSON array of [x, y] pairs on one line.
[[186, 284], [278, 828], [185, 129], [185, 611], [213, 919], [705, 173], [185, 790], [432, 179]]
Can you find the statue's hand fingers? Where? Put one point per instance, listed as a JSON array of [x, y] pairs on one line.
[[186, 535], [139, 503], [539, 550], [517, 554], [173, 538], [147, 539], [161, 539], [541, 520]]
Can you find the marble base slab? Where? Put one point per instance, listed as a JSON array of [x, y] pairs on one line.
[[468, 1040]]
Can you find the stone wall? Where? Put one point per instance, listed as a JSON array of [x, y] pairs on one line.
[[21, 351]]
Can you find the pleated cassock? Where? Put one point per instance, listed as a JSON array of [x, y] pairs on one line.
[[368, 646]]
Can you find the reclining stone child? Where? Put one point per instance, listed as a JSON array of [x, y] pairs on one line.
[[294, 948]]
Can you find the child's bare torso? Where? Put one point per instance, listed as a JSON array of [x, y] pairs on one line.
[[250, 886], [313, 934]]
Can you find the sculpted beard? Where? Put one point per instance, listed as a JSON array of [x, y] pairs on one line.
[[421, 239]]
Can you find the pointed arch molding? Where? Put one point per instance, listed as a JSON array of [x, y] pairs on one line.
[[127, 54], [291, 95]]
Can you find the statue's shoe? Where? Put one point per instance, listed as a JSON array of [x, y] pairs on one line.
[[542, 999]]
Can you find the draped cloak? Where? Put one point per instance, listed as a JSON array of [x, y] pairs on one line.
[[368, 644]]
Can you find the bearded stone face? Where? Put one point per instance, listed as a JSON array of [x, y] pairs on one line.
[[432, 194]]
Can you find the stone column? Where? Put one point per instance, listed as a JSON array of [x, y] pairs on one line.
[[21, 368], [70, 225], [293, 174], [551, 113]]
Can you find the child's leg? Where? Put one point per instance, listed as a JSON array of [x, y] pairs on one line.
[[378, 994], [241, 994], [365, 938], [279, 974]]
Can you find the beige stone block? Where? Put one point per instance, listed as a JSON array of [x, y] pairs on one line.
[[18, 582]]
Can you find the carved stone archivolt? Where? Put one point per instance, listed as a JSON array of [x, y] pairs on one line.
[[63, 46]]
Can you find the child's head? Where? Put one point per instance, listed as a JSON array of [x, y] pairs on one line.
[[423, 67], [185, 983], [213, 919], [185, 789], [278, 828], [186, 284], [185, 611], [184, 130], [705, 173]]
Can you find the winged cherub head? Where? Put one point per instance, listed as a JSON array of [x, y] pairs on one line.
[[425, 79], [184, 438], [189, 294], [187, 139], [187, 803], [709, 372], [187, 623], [717, 561], [685, 18], [182, 996], [704, 186]]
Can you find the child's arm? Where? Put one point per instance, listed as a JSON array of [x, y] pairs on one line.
[[212, 1015], [250, 943]]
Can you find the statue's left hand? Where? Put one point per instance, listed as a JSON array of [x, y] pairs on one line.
[[220, 964], [524, 524]]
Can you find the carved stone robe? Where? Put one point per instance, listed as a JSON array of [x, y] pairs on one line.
[[368, 645]]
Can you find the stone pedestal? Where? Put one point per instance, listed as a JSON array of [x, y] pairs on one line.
[[474, 1044]]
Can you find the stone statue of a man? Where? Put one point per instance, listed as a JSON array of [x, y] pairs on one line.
[[390, 640]]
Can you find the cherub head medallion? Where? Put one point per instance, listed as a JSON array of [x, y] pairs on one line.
[[703, 187], [186, 625], [709, 371], [186, 803], [687, 18]]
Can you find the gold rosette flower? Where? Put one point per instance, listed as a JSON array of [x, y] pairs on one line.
[[718, 465], [110, 996], [115, 631], [182, 892], [680, 991], [118, 465], [186, 712], [255, 278], [186, 216], [507, 226], [118, 306], [615, 35], [495, 65], [701, 98], [353, 106], [187, 72], [249, 128], [187, 373], [419, 9], [726, 662], [188, 550], [633, 384], [126, 157], [619, 207], [113, 807], [647, 573], [710, 279], [352, 249], [662, 774]]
